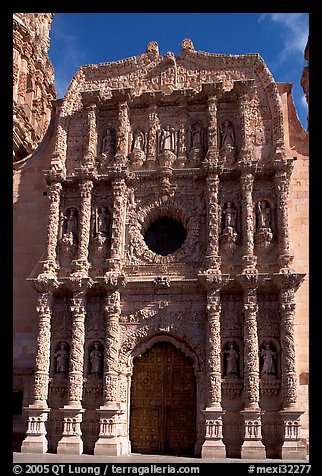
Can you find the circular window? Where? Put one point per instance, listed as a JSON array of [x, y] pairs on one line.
[[165, 235]]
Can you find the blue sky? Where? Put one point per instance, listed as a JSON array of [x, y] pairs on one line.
[[86, 38]]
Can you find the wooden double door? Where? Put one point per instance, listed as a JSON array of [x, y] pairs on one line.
[[163, 402]]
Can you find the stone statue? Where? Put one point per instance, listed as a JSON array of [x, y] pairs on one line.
[[103, 222], [138, 141], [263, 215], [227, 135], [61, 359], [70, 223], [167, 139], [231, 361], [96, 359], [108, 143], [196, 137], [230, 217], [268, 356]]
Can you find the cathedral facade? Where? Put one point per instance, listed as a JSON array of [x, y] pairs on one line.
[[170, 305]]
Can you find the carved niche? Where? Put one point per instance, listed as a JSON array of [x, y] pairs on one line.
[[68, 236]]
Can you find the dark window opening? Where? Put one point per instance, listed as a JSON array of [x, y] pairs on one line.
[[165, 236], [17, 403]]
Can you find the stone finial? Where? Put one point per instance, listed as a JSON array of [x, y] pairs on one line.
[[187, 45], [152, 49]]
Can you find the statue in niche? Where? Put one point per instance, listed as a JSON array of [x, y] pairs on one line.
[[263, 215], [61, 359], [70, 226], [264, 235], [167, 139], [108, 143], [103, 222], [229, 235], [227, 135], [196, 137], [96, 360], [231, 359], [101, 235], [196, 151], [138, 142], [227, 142], [137, 154], [269, 357], [230, 219]]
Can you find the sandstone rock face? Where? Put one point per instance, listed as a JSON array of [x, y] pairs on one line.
[[166, 225]]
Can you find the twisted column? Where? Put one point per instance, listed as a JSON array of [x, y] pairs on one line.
[[289, 378], [252, 446], [251, 361], [122, 141], [154, 124], [81, 264], [282, 180], [76, 360], [54, 192], [213, 445], [110, 380], [118, 223], [212, 255], [212, 153], [44, 309], [249, 259]]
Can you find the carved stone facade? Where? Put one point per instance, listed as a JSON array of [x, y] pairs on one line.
[[168, 181], [33, 81]]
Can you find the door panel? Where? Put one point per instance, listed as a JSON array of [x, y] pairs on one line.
[[163, 402]]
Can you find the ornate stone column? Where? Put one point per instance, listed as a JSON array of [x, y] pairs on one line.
[[71, 442], [282, 181], [293, 447], [122, 141], [59, 153], [245, 92], [54, 191], [35, 441], [182, 138], [154, 125], [212, 153], [249, 260], [212, 260], [81, 265], [213, 446], [111, 433], [252, 447], [90, 100], [118, 224]]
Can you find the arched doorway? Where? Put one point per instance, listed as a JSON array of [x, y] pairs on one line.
[[163, 402]]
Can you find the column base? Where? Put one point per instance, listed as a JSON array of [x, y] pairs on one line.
[[70, 445], [36, 441], [296, 450], [34, 444], [294, 447], [113, 446], [213, 449], [253, 447], [213, 446], [253, 450]]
